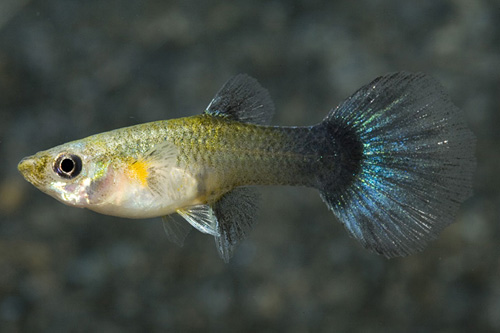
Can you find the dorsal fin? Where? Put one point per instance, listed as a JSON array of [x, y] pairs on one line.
[[243, 99]]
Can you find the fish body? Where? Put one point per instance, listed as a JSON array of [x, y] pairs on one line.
[[393, 162]]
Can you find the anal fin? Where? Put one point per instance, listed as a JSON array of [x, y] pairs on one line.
[[235, 212], [229, 219]]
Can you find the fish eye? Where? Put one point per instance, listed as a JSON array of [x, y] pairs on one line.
[[68, 165]]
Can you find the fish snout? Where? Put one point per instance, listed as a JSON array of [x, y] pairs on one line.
[[26, 166], [32, 169]]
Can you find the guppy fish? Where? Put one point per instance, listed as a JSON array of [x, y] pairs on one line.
[[393, 162]]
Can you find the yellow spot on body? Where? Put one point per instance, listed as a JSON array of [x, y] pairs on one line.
[[138, 170]]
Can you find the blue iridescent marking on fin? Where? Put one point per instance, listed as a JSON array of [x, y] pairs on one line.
[[416, 164]]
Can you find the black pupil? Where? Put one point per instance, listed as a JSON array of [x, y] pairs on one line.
[[67, 165]]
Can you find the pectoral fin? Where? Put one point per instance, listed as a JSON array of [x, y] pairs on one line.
[[159, 171]]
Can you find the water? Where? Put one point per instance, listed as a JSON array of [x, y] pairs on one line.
[[69, 69]]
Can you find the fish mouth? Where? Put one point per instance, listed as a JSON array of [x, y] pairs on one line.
[[30, 170], [26, 167]]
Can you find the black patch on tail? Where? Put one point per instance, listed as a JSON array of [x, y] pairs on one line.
[[341, 157]]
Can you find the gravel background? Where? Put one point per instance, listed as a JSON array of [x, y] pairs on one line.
[[72, 68]]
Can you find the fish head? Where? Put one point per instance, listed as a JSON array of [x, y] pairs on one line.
[[97, 174], [70, 173]]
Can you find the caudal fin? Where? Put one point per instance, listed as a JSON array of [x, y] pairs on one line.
[[414, 166]]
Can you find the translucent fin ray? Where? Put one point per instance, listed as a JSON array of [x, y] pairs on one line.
[[164, 177], [202, 218], [176, 230]]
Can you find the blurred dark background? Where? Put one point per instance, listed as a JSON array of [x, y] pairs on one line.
[[72, 68]]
